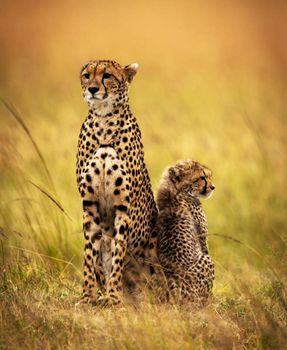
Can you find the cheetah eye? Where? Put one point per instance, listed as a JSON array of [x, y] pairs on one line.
[[202, 177], [86, 75], [106, 75]]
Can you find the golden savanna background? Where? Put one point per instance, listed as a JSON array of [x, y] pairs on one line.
[[211, 86]]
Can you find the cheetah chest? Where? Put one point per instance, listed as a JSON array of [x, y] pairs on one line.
[[108, 183]]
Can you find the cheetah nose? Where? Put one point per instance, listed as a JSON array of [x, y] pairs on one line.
[[93, 89], [212, 187]]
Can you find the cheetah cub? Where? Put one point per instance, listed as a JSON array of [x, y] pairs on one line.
[[182, 233]]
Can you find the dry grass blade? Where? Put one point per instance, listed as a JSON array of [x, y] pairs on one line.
[[253, 250], [18, 233], [24, 199], [52, 199], [226, 237], [46, 256], [237, 241], [20, 120], [2, 232], [256, 135], [2, 253]]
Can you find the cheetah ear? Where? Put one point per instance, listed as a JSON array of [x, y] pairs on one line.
[[130, 71], [174, 174]]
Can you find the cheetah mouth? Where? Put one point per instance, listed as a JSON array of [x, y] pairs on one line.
[[207, 195], [97, 98]]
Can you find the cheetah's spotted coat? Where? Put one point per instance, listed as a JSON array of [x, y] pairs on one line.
[[118, 206], [188, 271]]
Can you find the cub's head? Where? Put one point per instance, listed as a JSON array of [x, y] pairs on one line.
[[186, 176], [191, 176], [105, 84]]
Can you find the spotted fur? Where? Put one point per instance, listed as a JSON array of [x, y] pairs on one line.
[[188, 271], [118, 206]]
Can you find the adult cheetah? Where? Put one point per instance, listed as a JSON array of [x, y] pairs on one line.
[[182, 234], [119, 210]]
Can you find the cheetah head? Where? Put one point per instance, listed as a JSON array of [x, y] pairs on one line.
[[191, 176], [105, 84]]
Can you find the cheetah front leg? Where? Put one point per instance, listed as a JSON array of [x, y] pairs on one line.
[[94, 279], [118, 249]]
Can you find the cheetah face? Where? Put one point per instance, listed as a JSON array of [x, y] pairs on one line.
[[193, 178], [203, 187], [105, 84]]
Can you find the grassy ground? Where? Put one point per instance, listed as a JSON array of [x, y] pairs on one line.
[[211, 86]]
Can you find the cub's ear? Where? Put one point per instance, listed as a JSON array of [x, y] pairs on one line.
[[130, 71], [174, 174]]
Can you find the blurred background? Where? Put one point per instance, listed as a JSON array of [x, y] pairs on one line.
[[211, 86]]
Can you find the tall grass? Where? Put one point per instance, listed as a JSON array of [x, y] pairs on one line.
[[209, 87]]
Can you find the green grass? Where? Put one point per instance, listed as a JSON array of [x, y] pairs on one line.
[[210, 88], [41, 239]]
